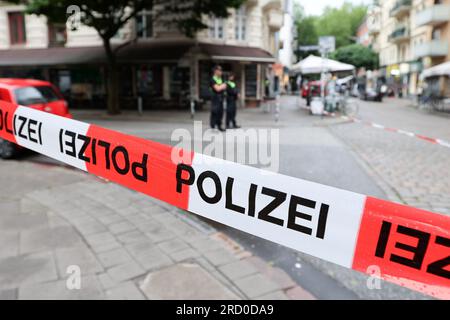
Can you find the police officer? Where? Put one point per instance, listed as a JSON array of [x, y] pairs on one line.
[[218, 88], [232, 96]]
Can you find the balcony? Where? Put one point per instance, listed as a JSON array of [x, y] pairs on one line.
[[270, 4], [401, 9], [434, 48], [400, 34], [275, 19], [434, 15], [374, 20]]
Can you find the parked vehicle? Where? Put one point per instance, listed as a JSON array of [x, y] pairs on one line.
[[309, 90], [372, 95], [36, 94]]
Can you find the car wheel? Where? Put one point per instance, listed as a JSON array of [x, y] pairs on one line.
[[7, 149]]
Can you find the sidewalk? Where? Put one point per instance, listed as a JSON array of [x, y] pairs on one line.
[[126, 245]]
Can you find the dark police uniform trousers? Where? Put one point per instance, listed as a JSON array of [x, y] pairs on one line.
[[217, 99]]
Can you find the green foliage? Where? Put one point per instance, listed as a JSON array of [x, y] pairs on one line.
[[357, 55], [306, 31], [341, 23]]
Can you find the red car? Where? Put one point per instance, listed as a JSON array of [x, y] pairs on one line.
[[36, 94]]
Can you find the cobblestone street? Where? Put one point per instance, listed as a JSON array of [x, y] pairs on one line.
[[411, 171], [126, 245]]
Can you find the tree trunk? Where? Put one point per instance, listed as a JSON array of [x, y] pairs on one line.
[[112, 80]]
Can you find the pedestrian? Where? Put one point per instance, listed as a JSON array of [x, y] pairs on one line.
[[232, 97], [218, 89]]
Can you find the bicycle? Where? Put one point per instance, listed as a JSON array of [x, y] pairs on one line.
[[346, 105], [434, 103], [350, 107]]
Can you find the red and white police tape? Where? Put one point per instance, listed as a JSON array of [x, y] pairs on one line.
[[395, 130], [410, 247]]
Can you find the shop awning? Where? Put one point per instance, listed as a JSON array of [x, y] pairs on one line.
[[51, 56], [139, 52], [134, 52], [236, 53], [436, 71]]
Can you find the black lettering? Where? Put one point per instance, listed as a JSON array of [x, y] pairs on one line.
[[438, 267], [215, 178], [1, 119], [22, 125], [32, 131], [252, 200], [71, 144], [126, 159], [40, 133], [322, 224], [86, 141], [94, 151], [8, 130], [294, 214], [229, 197], [418, 251], [106, 145], [179, 176], [136, 166], [383, 239], [61, 131], [279, 198], [14, 124]]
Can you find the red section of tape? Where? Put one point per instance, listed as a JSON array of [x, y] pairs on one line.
[[426, 138], [409, 247], [142, 165], [7, 111]]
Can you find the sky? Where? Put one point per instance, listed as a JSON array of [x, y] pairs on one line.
[[315, 7]]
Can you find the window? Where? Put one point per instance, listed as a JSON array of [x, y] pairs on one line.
[[17, 32], [144, 25], [33, 95], [436, 35], [57, 35], [241, 24], [251, 80], [216, 28]]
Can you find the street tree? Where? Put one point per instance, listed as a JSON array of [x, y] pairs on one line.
[[357, 55], [108, 17], [341, 23], [306, 31]]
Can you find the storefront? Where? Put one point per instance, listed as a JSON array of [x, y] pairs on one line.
[[162, 75]]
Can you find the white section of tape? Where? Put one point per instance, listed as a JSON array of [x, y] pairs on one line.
[[343, 221], [378, 126], [407, 133], [443, 143], [39, 131]]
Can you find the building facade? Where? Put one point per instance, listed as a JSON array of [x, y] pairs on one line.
[[362, 34], [409, 35], [286, 52], [158, 64]]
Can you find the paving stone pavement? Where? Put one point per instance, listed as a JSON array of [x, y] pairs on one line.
[[410, 171], [126, 245]]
